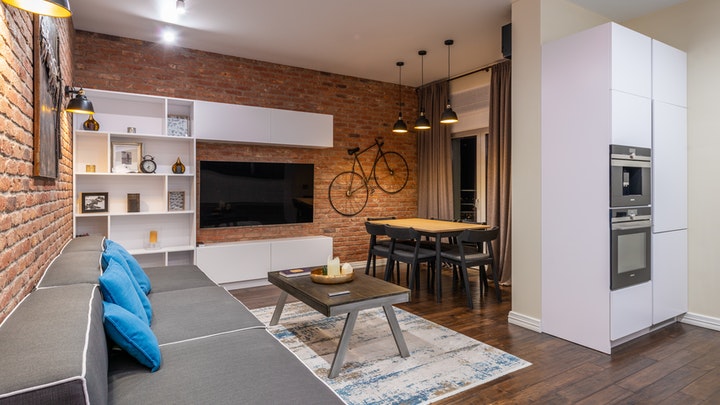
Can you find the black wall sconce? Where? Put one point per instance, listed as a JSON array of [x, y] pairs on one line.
[[80, 103]]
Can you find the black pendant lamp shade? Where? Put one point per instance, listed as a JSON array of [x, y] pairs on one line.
[[80, 103], [422, 122], [448, 116], [400, 127], [52, 8]]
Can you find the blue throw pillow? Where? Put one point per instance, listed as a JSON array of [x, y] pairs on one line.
[[144, 300], [116, 250], [117, 287], [132, 335]]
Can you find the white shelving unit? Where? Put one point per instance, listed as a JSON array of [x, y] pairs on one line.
[[148, 115]]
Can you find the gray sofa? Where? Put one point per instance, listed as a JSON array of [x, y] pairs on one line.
[[53, 348]]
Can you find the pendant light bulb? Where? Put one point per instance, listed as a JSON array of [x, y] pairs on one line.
[[422, 122], [180, 7], [448, 116], [400, 127]]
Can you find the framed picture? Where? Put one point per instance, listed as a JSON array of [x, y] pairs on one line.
[[47, 98], [178, 125], [126, 157], [176, 200], [94, 202]]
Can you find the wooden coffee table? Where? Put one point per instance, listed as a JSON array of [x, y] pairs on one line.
[[364, 292]]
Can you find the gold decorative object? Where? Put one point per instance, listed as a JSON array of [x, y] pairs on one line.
[[317, 276], [90, 124], [178, 167]]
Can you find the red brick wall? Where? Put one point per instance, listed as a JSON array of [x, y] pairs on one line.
[[35, 214], [362, 109]]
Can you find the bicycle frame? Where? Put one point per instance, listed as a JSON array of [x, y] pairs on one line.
[[356, 161]]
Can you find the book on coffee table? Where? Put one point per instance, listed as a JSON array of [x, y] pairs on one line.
[[296, 272]]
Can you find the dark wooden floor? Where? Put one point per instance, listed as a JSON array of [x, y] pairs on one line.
[[679, 364]]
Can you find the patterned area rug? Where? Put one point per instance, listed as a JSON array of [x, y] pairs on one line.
[[441, 364]]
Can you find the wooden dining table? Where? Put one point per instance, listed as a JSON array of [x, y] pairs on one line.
[[437, 229]]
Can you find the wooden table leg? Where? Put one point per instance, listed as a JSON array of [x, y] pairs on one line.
[[396, 331], [279, 308], [343, 344]]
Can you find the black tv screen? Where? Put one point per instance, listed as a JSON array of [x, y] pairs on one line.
[[252, 193]]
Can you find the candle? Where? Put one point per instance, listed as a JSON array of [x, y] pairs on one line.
[[153, 237], [333, 266]]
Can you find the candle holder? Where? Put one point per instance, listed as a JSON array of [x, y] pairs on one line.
[[152, 241]]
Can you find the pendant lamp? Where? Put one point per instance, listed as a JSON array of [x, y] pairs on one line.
[[448, 116], [422, 122], [400, 127], [51, 8]]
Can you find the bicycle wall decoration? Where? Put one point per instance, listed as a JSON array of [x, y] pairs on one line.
[[350, 189]]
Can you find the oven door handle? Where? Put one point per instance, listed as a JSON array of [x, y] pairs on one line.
[[622, 226]]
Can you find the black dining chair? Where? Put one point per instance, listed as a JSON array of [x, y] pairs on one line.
[[411, 253], [379, 246], [474, 248]]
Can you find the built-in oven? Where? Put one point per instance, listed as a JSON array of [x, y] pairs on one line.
[[629, 176], [629, 247]]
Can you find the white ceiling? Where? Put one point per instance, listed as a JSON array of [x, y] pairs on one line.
[[361, 38]]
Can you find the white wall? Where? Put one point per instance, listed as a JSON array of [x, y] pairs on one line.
[[694, 27]]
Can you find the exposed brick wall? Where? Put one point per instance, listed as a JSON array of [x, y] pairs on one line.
[[35, 214], [362, 109]]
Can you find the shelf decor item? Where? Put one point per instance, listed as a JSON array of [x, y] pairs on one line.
[[178, 167], [91, 125], [153, 240], [126, 157], [178, 125], [133, 202], [176, 200], [148, 164], [93, 202]]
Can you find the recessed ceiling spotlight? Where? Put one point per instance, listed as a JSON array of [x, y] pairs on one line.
[[169, 36], [180, 7]]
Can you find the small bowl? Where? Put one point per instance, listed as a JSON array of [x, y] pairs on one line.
[[317, 276]]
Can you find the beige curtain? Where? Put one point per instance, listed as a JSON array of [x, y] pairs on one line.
[[498, 182], [434, 156]]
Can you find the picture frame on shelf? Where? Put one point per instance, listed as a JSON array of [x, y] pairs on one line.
[[126, 157], [178, 125], [176, 201], [91, 203]]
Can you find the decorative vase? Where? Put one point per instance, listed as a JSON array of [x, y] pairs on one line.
[[178, 167], [91, 124]]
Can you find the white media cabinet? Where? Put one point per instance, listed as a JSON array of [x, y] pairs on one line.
[[132, 119], [246, 264]]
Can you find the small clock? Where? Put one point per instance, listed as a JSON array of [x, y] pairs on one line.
[[148, 164]]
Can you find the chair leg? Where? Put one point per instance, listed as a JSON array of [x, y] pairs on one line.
[[367, 265], [497, 284], [389, 269], [466, 282]]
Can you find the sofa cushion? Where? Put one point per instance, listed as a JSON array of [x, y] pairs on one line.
[[54, 348], [132, 334], [178, 277], [244, 367], [119, 288], [72, 268], [196, 312], [92, 243], [117, 251]]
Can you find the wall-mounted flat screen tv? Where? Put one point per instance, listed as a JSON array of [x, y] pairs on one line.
[[255, 193]]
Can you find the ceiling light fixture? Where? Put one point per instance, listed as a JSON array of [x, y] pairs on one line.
[[52, 8], [448, 116], [422, 122], [400, 127], [80, 103], [180, 7]]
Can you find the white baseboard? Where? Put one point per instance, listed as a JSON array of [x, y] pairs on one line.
[[702, 321], [525, 321]]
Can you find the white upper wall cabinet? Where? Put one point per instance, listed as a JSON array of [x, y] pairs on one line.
[[631, 56], [257, 125], [631, 119], [669, 74]]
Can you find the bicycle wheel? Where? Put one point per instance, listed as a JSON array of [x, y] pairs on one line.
[[348, 193], [391, 172]]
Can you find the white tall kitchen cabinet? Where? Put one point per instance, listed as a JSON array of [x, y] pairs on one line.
[[597, 90]]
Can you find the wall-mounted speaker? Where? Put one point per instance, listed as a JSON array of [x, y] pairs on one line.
[[507, 41]]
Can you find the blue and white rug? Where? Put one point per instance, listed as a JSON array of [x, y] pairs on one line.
[[442, 362]]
